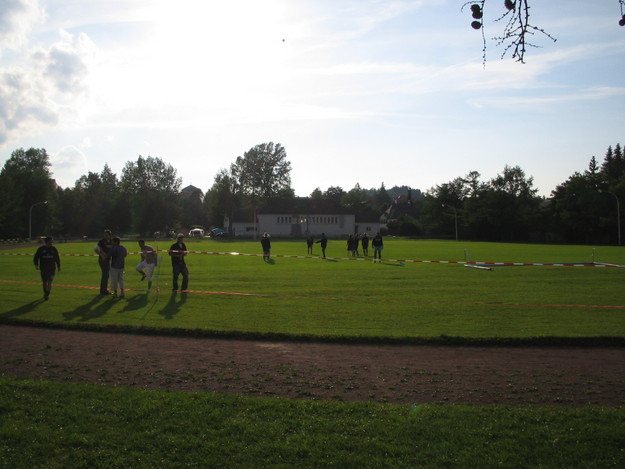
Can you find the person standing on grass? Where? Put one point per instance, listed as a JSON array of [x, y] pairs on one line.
[[47, 260], [117, 254], [350, 246], [309, 244], [265, 242], [177, 252], [365, 244], [148, 262], [102, 248], [324, 243], [378, 245]]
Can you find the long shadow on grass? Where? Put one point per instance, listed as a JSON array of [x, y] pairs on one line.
[[135, 302], [21, 310], [173, 305], [91, 310]]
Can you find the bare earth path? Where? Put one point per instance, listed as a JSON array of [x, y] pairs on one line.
[[550, 376]]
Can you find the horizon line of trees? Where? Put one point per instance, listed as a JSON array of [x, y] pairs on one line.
[[147, 198]]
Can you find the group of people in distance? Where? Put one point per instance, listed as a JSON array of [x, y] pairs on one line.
[[352, 245], [354, 240]]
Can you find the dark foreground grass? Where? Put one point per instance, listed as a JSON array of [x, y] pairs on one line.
[[49, 425]]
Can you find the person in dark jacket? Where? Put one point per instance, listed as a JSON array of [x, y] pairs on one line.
[[117, 254], [177, 252], [103, 248], [365, 244], [265, 242], [47, 260], [378, 245], [324, 243]]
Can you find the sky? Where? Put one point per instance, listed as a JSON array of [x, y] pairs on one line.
[[367, 92]]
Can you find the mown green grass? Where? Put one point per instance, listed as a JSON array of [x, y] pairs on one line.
[[45, 424], [50, 425], [340, 298]]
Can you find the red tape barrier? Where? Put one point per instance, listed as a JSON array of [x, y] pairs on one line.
[[366, 259]]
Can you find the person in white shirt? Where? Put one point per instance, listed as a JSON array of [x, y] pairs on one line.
[[148, 262]]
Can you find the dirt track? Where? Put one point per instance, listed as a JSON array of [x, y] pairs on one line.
[[553, 376]]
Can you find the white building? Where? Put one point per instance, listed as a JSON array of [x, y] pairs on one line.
[[299, 218]]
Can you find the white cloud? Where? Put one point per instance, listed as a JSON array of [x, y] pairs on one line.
[[66, 63], [68, 164], [47, 86], [17, 18]]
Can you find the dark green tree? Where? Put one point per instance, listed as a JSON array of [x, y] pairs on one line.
[[355, 198], [263, 173], [191, 209], [150, 187], [381, 199], [221, 199], [511, 205], [583, 209], [94, 204], [25, 181], [575, 209], [334, 193], [317, 194]]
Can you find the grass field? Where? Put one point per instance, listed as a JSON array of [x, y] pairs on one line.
[[340, 298], [45, 424], [82, 426]]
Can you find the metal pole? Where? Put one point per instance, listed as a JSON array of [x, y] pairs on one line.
[[618, 218], [30, 218]]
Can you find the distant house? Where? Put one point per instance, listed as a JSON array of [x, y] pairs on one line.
[[187, 191], [300, 217], [402, 206]]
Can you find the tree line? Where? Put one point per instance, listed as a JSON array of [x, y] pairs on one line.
[[147, 197]]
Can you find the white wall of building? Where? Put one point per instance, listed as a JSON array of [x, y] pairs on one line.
[[289, 225], [300, 226]]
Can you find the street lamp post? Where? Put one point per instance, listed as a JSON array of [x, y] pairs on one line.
[[30, 218]]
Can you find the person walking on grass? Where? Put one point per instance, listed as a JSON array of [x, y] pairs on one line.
[[378, 245], [177, 252], [265, 242], [117, 254], [365, 245], [148, 262], [102, 248], [324, 243], [47, 260]]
